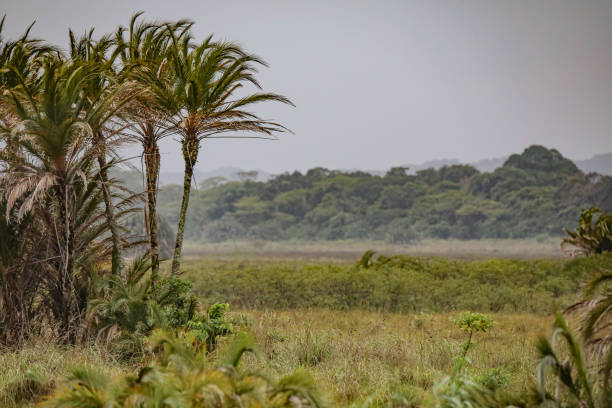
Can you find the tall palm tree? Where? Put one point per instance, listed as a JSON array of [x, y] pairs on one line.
[[20, 277], [143, 50], [202, 102], [97, 53]]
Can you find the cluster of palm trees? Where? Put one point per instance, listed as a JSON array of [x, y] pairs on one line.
[[64, 117]]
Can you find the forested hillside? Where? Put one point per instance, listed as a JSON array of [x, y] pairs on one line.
[[534, 193]]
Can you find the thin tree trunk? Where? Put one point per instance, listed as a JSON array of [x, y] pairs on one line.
[[190, 155], [152, 160], [117, 262]]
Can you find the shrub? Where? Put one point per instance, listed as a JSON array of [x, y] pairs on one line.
[[181, 376], [400, 284]]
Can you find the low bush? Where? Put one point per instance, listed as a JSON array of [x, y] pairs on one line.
[[182, 376], [401, 284]]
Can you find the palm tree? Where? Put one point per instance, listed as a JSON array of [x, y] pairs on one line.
[[590, 236], [20, 277], [144, 55], [96, 53], [201, 102], [594, 313], [52, 174]]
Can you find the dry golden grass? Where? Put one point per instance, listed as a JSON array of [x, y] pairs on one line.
[[33, 370], [354, 354], [351, 354]]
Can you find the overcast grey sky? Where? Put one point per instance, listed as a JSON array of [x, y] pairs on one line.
[[383, 83]]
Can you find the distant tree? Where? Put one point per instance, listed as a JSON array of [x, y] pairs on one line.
[[247, 175], [212, 182]]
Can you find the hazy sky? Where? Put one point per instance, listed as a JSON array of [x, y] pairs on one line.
[[383, 83]]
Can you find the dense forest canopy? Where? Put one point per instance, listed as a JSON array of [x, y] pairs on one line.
[[534, 193]]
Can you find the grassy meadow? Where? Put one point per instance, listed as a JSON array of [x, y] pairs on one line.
[[355, 355], [366, 333], [352, 355]]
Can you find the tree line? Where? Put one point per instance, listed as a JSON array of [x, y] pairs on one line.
[[534, 194]]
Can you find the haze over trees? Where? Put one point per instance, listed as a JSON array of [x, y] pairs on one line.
[[536, 193]]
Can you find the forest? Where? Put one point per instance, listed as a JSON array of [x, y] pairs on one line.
[[536, 193]]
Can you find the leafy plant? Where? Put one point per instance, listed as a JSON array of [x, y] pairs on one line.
[[181, 376], [471, 323], [208, 328], [591, 236], [583, 382]]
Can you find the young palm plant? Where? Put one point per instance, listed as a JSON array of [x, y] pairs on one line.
[[581, 381], [201, 102]]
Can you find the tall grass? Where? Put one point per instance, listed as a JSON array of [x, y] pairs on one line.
[[33, 370], [354, 354]]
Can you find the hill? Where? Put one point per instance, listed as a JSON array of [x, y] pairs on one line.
[[601, 163]]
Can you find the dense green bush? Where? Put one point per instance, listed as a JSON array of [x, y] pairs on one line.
[[398, 284]]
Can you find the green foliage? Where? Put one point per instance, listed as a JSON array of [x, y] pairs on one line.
[[591, 236], [492, 378], [473, 322], [208, 328], [127, 313], [535, 193], [177, 301], [181, 376], [401, 284], [470, 323]]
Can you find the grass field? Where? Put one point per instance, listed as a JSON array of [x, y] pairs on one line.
[[356, 354], [352, 355], [340, 322]]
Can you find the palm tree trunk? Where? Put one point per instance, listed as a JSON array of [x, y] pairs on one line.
[[152, 161], [117, 262], [64, 294], [190, 154]]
